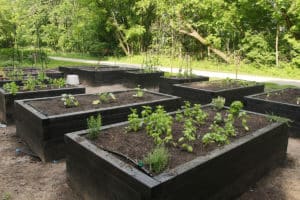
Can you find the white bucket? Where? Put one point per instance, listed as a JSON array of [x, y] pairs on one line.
[[72, 79]]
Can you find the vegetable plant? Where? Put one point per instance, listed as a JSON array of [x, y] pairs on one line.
[[15, 74], [189, 135], [134, 122], [59, 82], [158, 159], [218, 103], [30, 84], [94, 126], [139, 92], [105, 97], [11, 87], [159, 126], [69, 100]]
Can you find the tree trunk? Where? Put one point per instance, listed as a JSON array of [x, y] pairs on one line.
[[276, 46], [192, 32]]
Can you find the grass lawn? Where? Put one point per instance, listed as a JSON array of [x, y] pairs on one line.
[[278, 72]]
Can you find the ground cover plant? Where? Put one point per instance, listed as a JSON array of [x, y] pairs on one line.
[[159, 141]]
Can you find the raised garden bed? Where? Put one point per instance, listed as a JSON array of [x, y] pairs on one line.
[[166, 83], [113, 170], [144, 79], [102, 75], [204, 92], [283, 103], [7, 110], [26, 71], [42, 123]]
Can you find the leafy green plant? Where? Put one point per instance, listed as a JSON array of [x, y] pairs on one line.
[[42, 76], [139, 92], [189, 135], [59, 82], [30, 84], [15, 74], [218, 103], [158, 159], [94, 126], [134, 122], [69, 100], [11, 87], [235, 108], [194, 112], [214, 137], [6, 196], [105, 97], [159, 126]]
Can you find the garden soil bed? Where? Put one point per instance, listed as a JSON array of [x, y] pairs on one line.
[[166, 83], [213, 172], [144, 79], [7, 110], [204, 92], [96, 76], [24, 177], [42, 123], [281, 103]]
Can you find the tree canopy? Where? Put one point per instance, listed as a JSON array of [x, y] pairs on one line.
[[263, 32]]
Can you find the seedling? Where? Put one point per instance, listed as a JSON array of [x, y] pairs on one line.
[[59, 83], [105, 98], [69, 100], [139, 92], [157, 159], [235, 108], [94, 126], [218, 103], [189, 135], [11, 87], [215, 136], [30, 84]]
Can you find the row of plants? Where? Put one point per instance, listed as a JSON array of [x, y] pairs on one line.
[[158, 124], [34, 83], [70, 101]]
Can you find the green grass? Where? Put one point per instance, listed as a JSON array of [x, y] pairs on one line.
[[274, 86], [279, 72], [52, 64]]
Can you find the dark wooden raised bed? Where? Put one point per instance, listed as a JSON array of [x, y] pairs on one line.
[[96, 76], [44, 133], [166, 83], [144, 79], [51, 73], [288, 110], [204, 96], [7, 110], [223, 173]]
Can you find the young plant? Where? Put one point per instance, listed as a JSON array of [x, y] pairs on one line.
[[42, 77], [105, 97], [218, 103], [235, 108], [134, 122], [11, 87], [139, 92], [215, 136], [69, 100], [159, 126], [189, 135], [59, 82], [15, 74], [158, 159], [94, 126], [30, 84]]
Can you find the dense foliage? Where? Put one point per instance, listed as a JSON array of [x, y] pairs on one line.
[[259, 32]]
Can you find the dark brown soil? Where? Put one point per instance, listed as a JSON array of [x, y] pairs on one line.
[[220, 84], [55, 106], [136, 145], [285, 96]]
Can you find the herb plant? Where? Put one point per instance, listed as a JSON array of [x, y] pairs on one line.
[[139, 92], [69, 100], [159, 126], [59, 82], [158, 159], [30, 84], [11, 87], [218, 103], [134, 122], [94, 126], [105, 97]]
